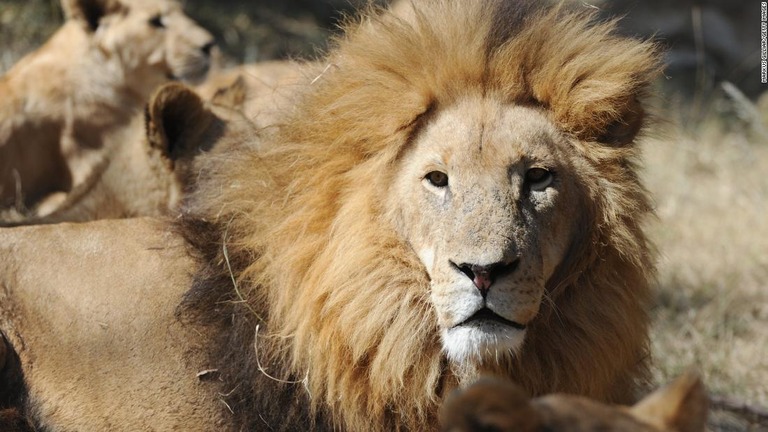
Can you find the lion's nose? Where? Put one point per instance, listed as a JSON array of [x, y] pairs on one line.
[[208, 47], [483, 276]]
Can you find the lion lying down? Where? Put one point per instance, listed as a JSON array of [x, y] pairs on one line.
[[97, 341], [63, 104], [495, 405], [455, 196], [146, 174]]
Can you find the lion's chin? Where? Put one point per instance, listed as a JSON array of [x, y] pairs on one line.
[[480, 341]]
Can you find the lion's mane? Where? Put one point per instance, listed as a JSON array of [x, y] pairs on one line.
[[294, 249]]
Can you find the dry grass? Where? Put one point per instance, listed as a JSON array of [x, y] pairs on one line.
[[711, 311]]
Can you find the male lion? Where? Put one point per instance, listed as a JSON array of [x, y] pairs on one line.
[[496, 405], [62, 102], [455, 196]]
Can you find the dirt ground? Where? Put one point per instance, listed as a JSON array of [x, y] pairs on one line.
[[708, 179]]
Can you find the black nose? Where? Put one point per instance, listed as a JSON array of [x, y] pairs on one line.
[[208, 47], [483, 276]]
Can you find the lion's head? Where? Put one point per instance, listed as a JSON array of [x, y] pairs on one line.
[[485, 196], [152, 40], [454, 194], [498, 405]]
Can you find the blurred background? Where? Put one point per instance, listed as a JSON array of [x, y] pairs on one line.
[[705, 162]]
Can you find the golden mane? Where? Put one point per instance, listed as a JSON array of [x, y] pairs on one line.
[[346, 337]]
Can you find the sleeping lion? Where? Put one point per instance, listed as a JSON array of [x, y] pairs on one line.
[[454, 196]]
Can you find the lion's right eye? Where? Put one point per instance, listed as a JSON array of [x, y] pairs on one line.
[[538, 179], [437, 179]]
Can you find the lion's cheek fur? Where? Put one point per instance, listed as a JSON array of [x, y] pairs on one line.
[[362, 302]]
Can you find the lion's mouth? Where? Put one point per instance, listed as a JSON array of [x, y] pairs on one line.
[[486, 314]]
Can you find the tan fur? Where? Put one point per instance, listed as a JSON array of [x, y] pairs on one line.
[[493, 404], [322, 292], [271, 86], [146, 175], [64, 103], [100, 347]]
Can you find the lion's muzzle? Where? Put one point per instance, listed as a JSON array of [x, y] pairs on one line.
[[486, 314]]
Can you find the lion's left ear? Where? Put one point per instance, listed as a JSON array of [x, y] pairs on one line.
[[89, 12], [623, 130], [592, 80], [176, 117]]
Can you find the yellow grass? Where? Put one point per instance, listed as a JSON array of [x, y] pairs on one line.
[[711, 311]]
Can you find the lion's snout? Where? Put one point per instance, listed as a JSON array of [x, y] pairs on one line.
[[208, 47]]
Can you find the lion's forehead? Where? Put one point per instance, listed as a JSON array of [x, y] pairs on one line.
[[479, 137]]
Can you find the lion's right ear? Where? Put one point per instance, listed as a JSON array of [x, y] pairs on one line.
[[89, 12], [176, 119]]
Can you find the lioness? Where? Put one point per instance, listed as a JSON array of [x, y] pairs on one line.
[[500, 406], [62, 102], [145, 175]]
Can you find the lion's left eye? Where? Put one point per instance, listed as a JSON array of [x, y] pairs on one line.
[[538, 179], [157, 21]]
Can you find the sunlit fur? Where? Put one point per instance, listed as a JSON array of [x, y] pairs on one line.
[[146, 174], [69, 102], [341, 302], [495, 404]]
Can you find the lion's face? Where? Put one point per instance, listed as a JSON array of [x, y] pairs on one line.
[[483, 198], [154, 41]]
